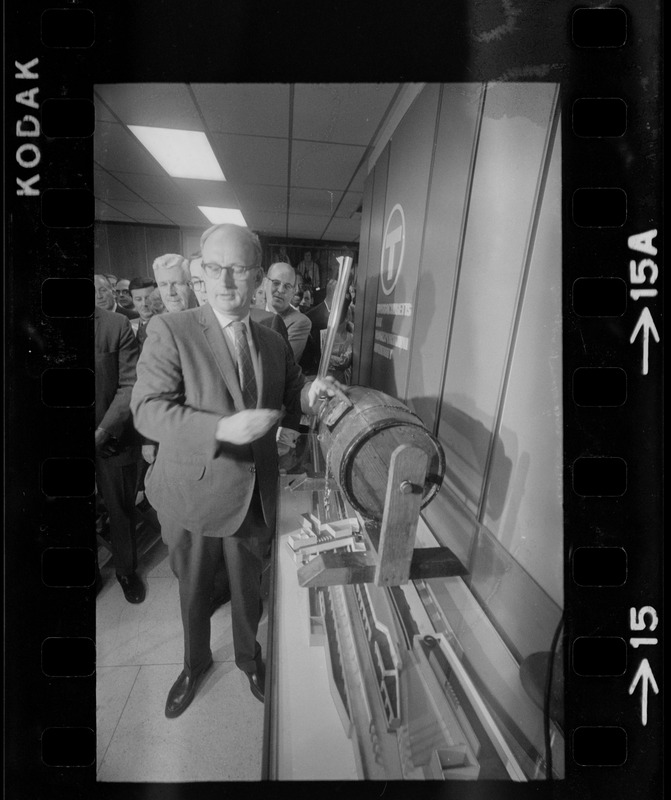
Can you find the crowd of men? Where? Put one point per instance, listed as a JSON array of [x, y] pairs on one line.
[[195, 369]]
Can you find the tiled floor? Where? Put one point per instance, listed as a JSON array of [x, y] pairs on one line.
[[139, 656]]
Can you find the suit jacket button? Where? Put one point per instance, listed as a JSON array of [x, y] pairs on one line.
[[252, 468]]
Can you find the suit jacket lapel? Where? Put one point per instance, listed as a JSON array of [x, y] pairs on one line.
[[217, 344]]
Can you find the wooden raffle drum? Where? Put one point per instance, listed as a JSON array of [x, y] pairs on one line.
[[388, 466]]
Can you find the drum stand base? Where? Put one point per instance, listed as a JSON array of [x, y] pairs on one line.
[[394, 561]]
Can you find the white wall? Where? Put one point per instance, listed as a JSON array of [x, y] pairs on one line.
[[483, 367]]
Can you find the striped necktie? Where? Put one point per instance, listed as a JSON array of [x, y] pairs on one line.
[[245, 365]]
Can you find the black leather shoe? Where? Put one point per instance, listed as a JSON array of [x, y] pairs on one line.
[[133, 588], [257, 682], [182, 692]]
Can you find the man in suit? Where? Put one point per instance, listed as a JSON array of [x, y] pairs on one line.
[[106, 299], [173, 277], [140, 289], [116, 441], [257, 313], [197, 282], [122, 292], [280, 285], [211, 386], [221, 592], [310, 271], [319, 320]]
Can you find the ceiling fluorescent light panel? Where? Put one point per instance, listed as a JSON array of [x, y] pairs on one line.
[[182, 154], [219, 215]]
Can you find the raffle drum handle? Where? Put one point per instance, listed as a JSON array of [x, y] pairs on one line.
[[345, 263]]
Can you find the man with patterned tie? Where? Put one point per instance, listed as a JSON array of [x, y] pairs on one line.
[[211, 386]]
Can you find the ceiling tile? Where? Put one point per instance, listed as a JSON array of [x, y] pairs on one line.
[[350, 203], [314, 201], [154, 188], [159, 105], [252, 159], [262, 198], [308, 226], [248, 127], [208, 193], [116, 149], [267, 222], [184, 215], [107, 187], [315, 165], [103, 211], [103, 114], [343, 230], [251, 108], [142, 212], [359, 179], [348, 113]]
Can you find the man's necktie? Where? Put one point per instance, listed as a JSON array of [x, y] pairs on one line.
[[245, 365]]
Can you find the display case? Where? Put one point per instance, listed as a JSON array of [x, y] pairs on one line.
[[413, 681]]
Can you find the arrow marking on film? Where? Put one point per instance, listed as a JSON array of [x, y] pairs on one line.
[[645, 322], [644, 674]]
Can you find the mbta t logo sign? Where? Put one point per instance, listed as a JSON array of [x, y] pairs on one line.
[[393, 246]]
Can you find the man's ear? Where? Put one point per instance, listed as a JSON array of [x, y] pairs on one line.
[[259, 277]]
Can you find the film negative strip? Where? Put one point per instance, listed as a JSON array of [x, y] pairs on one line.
[[606, 59]]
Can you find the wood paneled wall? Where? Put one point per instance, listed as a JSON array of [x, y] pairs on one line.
[[128, 250]]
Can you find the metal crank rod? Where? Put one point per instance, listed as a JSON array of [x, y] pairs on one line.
[[345, 263]]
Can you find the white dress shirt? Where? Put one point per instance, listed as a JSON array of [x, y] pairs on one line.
[[227, 327]]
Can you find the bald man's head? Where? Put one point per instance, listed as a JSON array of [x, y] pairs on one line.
[[228, 231], [280, 286], [231, 268]]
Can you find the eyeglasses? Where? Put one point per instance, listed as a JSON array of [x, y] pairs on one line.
[[215, 270], [197, 283], [287, 287]]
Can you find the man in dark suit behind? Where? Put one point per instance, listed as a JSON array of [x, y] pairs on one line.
[[140, 289], [319, 320], [116, 441], [106, 299], [210, 389]]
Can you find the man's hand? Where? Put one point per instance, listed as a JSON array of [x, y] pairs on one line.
[[149, 453], [320, 389], [247, 426], [101, 436], [286, 440], [106, 445]]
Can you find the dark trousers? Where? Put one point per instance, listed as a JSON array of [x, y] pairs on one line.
[[195, 560], [117, 485]]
